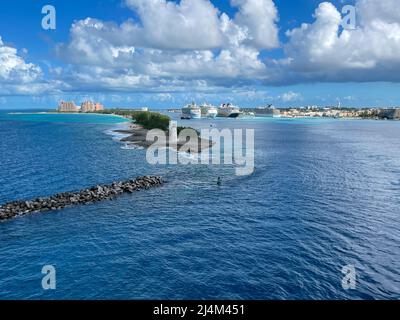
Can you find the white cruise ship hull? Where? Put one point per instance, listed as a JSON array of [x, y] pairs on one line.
[[212, 114], [190, 113], [195, 114], [209, 113]]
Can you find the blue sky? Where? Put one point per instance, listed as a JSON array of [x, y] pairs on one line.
[[249, 52]]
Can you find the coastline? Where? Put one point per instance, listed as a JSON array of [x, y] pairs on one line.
[[127, 118], [136, 135], [67, 113]]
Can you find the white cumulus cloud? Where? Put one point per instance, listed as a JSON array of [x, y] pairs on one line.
[[177, 42], [290, 96], [13, 68], [18, 77], [171, 46], [190, 24], [323, 51], [258, 18]]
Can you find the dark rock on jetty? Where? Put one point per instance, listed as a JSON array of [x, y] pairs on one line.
[[85, 196]]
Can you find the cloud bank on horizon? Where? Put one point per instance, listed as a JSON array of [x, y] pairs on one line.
[[192, 45]]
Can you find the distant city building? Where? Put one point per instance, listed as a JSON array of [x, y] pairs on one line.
[[334, 112], [98, 107], [390, 114], [67, 106], [89, 106]]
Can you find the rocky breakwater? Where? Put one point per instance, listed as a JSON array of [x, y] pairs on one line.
[[85, 196]]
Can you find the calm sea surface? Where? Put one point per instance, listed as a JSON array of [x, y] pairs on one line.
[[324, 194]]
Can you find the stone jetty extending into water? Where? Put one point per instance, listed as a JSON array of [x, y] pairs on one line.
[[85, 196]]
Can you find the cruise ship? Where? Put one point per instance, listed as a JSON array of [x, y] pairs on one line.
[[191, 111], [208, 111], [228, 110], [268, 111]]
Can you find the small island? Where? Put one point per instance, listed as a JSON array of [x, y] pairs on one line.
[[144, 121]]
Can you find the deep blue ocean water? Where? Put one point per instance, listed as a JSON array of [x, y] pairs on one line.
[[324, 194]]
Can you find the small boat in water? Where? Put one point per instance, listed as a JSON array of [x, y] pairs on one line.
[[191, 111], [208, 111], [228, 111]]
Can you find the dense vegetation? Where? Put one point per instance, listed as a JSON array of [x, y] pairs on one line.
[[119, 112], [149, 120]]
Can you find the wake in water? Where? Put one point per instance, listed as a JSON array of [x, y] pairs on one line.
[[118, 136], [131, 146]]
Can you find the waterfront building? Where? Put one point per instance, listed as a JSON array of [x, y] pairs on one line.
[[98, 107], [392, 114], [89, 106], [67, 106]]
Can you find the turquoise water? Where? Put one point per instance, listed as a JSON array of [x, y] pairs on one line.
[[324, 194], [63, 118]]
